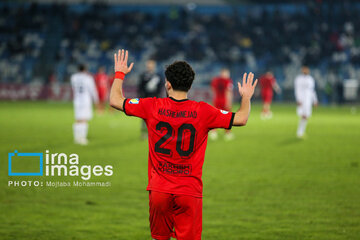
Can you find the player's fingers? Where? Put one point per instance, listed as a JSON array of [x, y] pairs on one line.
[[254, 85], [244, 79], [131, 66], [126, 56], [122, 55], [119, 54], [250, 78], [240, 89], [247, 79]]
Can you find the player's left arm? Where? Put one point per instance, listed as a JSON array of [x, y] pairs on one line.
[[121, 69], [216, 118]]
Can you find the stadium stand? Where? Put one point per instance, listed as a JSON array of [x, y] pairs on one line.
[[249, 37]]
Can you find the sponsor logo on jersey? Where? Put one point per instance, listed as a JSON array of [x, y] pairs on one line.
[[224, 112], [175, 169], [134, 101]]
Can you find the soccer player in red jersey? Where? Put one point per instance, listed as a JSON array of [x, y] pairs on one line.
[[102, 83], [267, 84], [222, 88], [177, 133]]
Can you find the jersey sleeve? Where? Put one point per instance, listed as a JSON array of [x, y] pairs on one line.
[[138, 107], [216, 118]]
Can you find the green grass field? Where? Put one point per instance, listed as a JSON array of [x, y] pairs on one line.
[[265, 184]]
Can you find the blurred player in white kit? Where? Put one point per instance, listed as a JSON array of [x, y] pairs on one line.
[[305, 95], [85, 94]]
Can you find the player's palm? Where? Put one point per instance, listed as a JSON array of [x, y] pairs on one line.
[[120, 60], [248, 85]]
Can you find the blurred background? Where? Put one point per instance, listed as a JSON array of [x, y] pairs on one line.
[[43, 41]]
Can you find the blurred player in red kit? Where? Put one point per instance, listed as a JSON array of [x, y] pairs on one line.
[[222, 88], [267, 84], [102, 86], [177, 135]]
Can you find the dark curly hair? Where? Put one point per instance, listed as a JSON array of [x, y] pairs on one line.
[[180, 75]]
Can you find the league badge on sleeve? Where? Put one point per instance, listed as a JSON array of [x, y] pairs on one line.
[[224, 112], [134, 101]]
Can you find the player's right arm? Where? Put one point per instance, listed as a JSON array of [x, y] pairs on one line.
[[116, 94], [246, 91], [216, 118]]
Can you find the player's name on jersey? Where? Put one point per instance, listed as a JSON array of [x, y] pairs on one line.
[[178, 114]]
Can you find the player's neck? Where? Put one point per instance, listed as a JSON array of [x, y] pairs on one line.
[[178, 95]]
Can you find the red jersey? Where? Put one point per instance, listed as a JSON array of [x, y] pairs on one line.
[[177, 132], [267, 82], [221, 85]]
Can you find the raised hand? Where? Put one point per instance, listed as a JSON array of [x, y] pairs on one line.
[[248, 86], [120, 60]]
